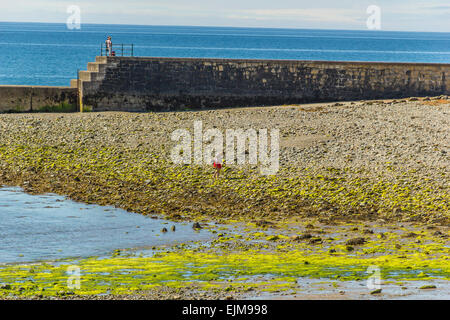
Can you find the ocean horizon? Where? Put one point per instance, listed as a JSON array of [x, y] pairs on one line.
[[50, 54]]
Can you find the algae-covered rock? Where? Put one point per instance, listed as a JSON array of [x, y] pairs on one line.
[[377, 291], [427, 287], [356, 242], [197, 225]]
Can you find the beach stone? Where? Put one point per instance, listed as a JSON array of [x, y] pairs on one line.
[[305, 236], [411, 235], [356, 242], [197, 225], [377, 291], [427, 287], [315, 241], [263, 223]]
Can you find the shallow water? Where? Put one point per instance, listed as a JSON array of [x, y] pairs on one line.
[[50, 227], [324, 289]]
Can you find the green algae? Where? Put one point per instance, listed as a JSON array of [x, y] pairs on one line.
[[62, 107], [213, 267], [242, 192]]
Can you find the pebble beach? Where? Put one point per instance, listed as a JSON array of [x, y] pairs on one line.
[[363, 163]]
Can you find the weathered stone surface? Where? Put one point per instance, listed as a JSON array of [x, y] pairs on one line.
[[164, 84], [34, 98]]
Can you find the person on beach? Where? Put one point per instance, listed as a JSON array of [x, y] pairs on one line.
[[108, 46], [217, 165]]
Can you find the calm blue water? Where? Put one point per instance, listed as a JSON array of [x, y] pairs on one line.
[[50, 54], [49, 227]]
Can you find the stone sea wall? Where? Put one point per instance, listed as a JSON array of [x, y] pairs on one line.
[[37, 98], [165, 84]]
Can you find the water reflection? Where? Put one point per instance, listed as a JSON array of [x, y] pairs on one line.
[[49, 227]]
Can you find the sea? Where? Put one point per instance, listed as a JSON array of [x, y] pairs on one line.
[[50, 54]]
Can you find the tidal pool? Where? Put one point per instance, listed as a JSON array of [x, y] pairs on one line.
[[50, 227]]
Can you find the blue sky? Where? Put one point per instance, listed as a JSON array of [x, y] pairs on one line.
[[402, 15]]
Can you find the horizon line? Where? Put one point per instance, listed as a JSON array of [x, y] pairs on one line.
[[224, 26]]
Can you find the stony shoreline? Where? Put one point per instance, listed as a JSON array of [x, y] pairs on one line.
[[370, 160], [356, 162]]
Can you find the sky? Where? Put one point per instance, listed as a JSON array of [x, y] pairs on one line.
[[395, 15]]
